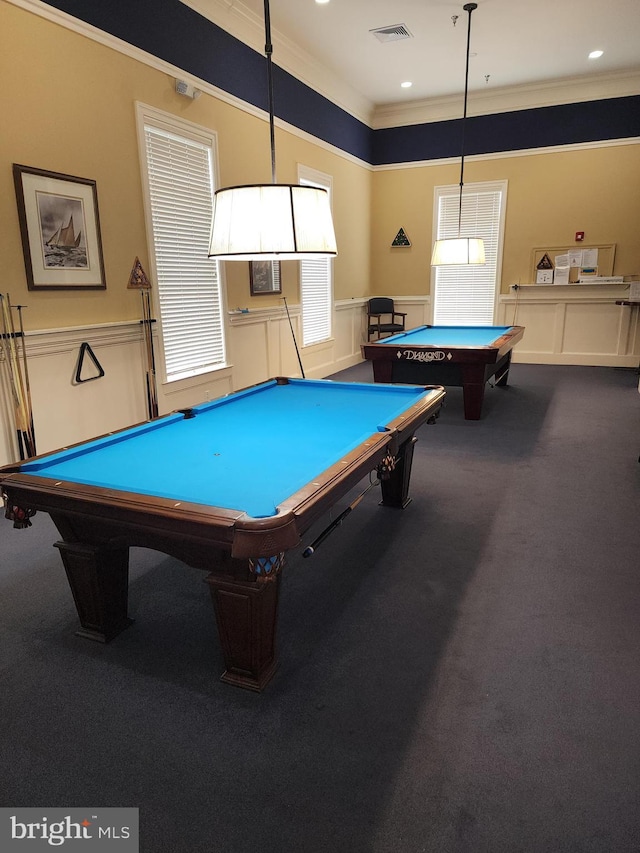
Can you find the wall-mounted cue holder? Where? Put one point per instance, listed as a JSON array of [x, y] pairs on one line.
[[85, 350]]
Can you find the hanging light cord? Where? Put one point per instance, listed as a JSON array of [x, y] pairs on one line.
[[268, 51], [468, 7]]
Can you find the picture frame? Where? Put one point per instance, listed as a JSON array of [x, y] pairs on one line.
[[60, 230], [264, 277]]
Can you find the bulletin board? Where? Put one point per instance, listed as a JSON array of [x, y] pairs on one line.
[[606, 258]]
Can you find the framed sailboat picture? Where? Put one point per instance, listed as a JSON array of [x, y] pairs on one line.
[[60, 230], [264, 277]]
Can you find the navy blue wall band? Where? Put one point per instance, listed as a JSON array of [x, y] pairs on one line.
[[566, 124], [177, 34]]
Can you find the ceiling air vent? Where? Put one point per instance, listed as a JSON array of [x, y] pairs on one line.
[[395, 33]]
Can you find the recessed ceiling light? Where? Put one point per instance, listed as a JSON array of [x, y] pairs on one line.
[[407, 84], [596, 54], [320, 2]]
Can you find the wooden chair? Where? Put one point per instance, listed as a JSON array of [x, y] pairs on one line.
[[377, 308]]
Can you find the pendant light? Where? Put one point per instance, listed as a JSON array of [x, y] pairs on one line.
[[271, 221], [461, 250]]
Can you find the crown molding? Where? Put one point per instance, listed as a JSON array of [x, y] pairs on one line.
[[242, 23], [568, 90], [250, 29], [234, 17]]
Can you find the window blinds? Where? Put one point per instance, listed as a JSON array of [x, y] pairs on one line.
[[315, 277], [180, 179], [465, 295], [316, 291]]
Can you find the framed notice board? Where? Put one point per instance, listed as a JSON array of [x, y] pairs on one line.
[[606, 258]]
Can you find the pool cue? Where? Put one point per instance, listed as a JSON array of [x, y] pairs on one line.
[[152, 388], [27, 382], [22, 414], [311, 549], [295, 343], [516, 287], [138, 280], [15, 379], [6, 352]]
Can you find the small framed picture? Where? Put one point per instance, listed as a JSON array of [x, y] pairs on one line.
[[264, 277], [60, 229]]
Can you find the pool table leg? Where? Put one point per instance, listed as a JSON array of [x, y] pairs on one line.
[[246, 614], [473, 385], [99, 579], [382, 370], [502, 371], [395, 489]]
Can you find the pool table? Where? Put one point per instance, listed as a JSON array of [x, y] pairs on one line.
[[466, 356], [227, 486]]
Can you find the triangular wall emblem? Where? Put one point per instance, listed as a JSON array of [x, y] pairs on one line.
[[545, 263], [138, 278], [85, 349], [401, 239]]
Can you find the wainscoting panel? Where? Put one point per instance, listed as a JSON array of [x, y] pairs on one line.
[[253, 351], [261, 345], [418, 311], [574, 325], [540, 321], [561, 328], [66, 411], [630, 329], [350, 319], [603, 323]]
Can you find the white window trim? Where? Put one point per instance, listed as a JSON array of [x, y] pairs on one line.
[[314, 177], [171, 123], [480, 186]]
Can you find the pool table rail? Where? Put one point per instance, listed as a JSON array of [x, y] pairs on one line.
[[98, 525], [409, 358], [156, 519]]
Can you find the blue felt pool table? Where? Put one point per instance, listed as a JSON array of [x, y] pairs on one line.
[[228, 486], [466, 356]]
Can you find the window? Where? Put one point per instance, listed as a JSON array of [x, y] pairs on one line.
[[315, 279], [466, 295], [178, 160]]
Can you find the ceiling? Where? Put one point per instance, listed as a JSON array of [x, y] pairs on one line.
[[513, 43]]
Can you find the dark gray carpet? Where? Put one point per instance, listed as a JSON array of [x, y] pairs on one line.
[[459, 676]]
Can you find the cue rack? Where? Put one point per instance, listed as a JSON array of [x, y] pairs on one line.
[[14, 357], [138, 280]]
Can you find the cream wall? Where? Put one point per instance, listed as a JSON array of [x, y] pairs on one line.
[[68, 105], [550, 196], [63, 110]]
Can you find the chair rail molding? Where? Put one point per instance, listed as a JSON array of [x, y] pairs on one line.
[[581, 325]]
